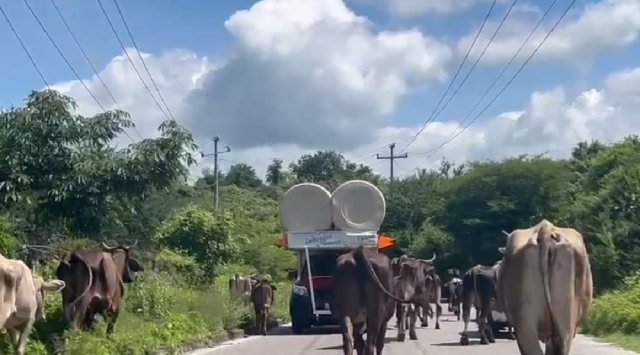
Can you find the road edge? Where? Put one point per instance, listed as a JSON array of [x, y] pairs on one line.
[[207, 347]]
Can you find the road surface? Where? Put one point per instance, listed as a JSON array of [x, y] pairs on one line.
[[445, 341]]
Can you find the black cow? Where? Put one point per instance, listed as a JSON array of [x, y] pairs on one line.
[[479, 286]]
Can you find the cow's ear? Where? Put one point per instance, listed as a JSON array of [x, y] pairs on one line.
[[502, 249], [134, 265], [53, 285]]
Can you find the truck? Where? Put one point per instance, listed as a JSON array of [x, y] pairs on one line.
[[312, 281]]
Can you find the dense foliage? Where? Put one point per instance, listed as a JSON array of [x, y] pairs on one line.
[[64, 185]]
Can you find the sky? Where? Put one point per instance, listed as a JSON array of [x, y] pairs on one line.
[[282, 78]]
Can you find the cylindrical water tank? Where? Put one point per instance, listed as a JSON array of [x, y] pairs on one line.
[[306, 207], [357, 206]]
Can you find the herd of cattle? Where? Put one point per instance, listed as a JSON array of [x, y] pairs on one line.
[[91, 282], [543, 284]]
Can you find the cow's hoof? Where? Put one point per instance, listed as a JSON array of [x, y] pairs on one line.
[[424, 324], [464, 340], [484, 341], [401, 337], [437, 325], [413, 336], [492, 340]]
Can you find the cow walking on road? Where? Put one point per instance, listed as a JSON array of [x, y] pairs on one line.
[[363, 299], [455, 295], [546, 286], [240, 287], [262, 298], [95, 285], [22, 298], [479, 288]]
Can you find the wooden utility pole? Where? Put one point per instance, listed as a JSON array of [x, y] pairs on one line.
[[391, 157], [215, 164]]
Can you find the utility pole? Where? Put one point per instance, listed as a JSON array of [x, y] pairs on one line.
[[391, 157], [215, 164]]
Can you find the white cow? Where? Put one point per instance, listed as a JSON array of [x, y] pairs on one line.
[[546, 287], [22, 300]]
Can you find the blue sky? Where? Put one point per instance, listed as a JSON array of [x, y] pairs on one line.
[[162, 26]]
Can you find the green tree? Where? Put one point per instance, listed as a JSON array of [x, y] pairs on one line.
[[242, 175], [274, 172]]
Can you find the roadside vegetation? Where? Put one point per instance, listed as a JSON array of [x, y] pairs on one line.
[[64, 186]]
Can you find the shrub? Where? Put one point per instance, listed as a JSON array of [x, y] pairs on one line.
[[617, 311]]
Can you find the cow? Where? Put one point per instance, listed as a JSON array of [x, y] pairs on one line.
[[240, 287], [455, 295], [262, 298], [96, 280], [363, 299], [479, 288], [545, 286], [22, 298], [415, 282]]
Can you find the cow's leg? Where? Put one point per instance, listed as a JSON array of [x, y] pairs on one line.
[[466, 313], [382, 333], [438, 314], [398, 313], [347, 335], [374, 322], [412, 323], [510, 335], [24, 331], [564, 304], [14, 336], [488, 328], [359, 342], [402, 322], [265, 318]]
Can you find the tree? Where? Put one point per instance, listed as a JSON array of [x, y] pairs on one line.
[[242, 175], [274, 172], [62, 163], [329, 167]]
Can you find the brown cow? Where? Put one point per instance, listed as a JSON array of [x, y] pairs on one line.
[[415, 283], [363, 299], [22, 298], [95, 282], [262, 298], [546, 287]]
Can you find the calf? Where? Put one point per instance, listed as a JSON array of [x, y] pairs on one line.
[[262, 300], [455, 295], [22, 298]]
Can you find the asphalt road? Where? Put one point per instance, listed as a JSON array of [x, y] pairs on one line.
[[445, 341]]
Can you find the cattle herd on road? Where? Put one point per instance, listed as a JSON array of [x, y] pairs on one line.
[[543, 284]]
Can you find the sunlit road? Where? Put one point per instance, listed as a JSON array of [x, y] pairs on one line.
[[327, 341]]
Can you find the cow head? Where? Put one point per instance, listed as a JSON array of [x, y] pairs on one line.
[[42, 288], [127, 265]]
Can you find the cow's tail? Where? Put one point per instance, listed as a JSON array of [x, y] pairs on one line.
[[86, 289], [361, 259], [545, 236]]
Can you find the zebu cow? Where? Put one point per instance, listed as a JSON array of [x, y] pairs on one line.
[[416, 283], [22, 298], [363, 299], [546, 286], [455, 295], [95, 285], [262, 299], [479, 288]]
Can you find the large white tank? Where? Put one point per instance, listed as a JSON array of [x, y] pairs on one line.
[[357, 206], [306, 207]]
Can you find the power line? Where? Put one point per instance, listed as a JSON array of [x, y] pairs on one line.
[[84, 53], [464, 60], [135, 45], [15, 33], [510, 80], [113, 29], [55, 45]]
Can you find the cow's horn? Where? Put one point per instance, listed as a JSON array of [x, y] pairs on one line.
[[106, 247], [505, 233], [432, 259]]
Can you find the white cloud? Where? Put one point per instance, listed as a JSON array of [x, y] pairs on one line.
[[599, 27], [305, 70], [323, 51], [410, 8]]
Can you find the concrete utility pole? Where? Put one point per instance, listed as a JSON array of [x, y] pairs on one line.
[[215, 164], [391, 157]]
